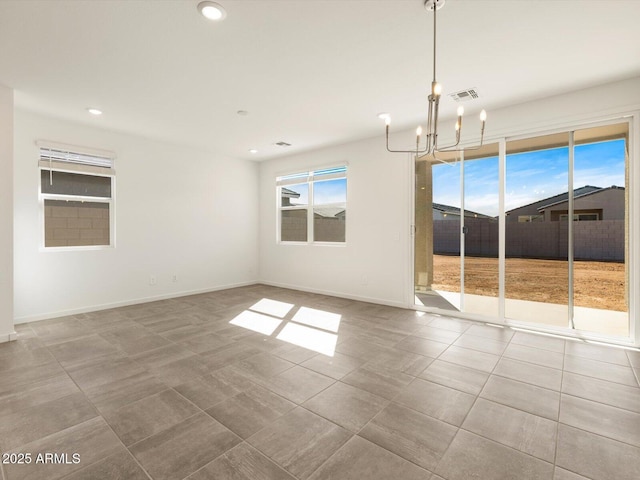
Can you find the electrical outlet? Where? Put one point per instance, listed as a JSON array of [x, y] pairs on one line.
[[152, 280]]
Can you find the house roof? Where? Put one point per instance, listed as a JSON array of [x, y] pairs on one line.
[[289, 193], [597, 191], [561, 197], [456, 211]]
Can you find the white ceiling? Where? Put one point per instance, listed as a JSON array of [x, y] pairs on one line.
[[309, 72]]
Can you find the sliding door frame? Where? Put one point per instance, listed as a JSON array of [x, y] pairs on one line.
[[633, 228]]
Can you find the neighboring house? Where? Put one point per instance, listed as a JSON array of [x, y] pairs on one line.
[[540, 229], [590, 203], [447, 212], [603, 204], [287, 195]]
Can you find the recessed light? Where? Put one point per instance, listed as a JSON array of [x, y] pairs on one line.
[[94, 111], [253, 150], [212, 11]]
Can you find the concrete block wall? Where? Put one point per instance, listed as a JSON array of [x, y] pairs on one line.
[[69, 224], [601, 240]]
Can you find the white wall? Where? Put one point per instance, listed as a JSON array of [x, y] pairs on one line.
[[6, 214], [179, 212], [372, 265], [379, 198]]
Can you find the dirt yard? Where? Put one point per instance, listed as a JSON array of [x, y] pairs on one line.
[[597, 284]]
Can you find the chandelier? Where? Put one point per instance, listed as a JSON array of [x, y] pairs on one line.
[[431, 147]]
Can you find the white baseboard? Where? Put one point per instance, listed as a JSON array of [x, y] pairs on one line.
[[359, 298], [125, 303], [8, 337]]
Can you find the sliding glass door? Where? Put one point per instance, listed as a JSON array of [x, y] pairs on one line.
[[538, 235], [536, 243]]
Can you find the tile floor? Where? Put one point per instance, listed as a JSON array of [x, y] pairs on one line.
[[201, 387]]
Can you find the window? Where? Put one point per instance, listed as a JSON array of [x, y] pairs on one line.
[[76, 195], [313, 206]]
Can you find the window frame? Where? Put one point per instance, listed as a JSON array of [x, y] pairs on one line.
[[310, 177], [106, 169]]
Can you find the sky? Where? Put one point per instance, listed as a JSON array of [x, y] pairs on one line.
[[530, 176], [325, 192]]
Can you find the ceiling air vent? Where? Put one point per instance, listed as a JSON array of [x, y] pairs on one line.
[[465, 95], [283, 144]]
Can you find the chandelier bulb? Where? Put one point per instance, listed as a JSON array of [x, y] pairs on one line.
[[437, 89], [387, 120], [419, 131], [460, 110], [483, 116]]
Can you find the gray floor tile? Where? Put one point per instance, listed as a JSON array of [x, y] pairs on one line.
[[401, 360], [422, 346], [596, 457], [205, 342], [437, 401], [348, 406], [335, 367], [297, 384], [496, 333], [529, 398], [228, 354], [522, 431], [209, 390], [37, 393], [472, 456], [126, 390], [18, 379], [35, 422], [104, 370], [451, 324], [242, 462], [455, 376], [293, 353], [535, 355], [264, 365], [416, 437], [92, 440], [597, 352], [562, 474], [60, 330], [482, 344], [542, 342], [81, 349], [184, 448], [614, 394], [300, 441], [123, 359], [437, 334], [634, 358], [485, 362], [176, 373], [360, 459], [355, 347], [612, 422], [133, 340], [250, 411], [601, 370], [119, 466], [161, 356], [545, 377], [379, 381], [150, 415]]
